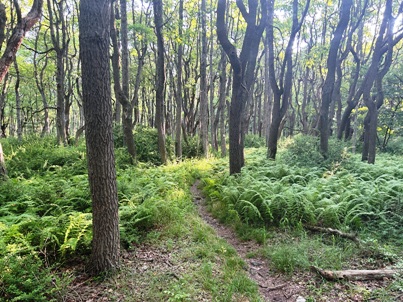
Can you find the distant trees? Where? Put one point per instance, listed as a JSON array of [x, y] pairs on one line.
[[308, 75]]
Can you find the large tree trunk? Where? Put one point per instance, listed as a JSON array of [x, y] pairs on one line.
[[160, 80], [94, 52]]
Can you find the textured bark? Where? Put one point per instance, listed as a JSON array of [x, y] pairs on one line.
[[328, 87], [94, 52], [160, 80]]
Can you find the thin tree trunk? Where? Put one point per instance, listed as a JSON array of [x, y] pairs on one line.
[[122, 91], [160, 80], [203, 82], [18, 104], [178, 120], [329, 84]]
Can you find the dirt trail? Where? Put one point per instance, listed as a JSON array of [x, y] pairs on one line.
[[272, 286]]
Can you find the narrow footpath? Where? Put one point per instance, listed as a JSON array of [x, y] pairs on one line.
[[272, 286]]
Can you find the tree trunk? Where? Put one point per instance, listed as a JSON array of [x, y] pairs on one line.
[[94, 53], [19, 31], [3, 170], [281, 91], [121, 92], [328, 87], [243, 67], [203, 82], [178, 119], [58, 36], [160, 80]]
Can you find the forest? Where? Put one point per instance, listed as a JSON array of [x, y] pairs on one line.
[[247, 150]]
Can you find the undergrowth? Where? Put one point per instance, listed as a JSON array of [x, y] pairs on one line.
[[272, 201], [45, 220]]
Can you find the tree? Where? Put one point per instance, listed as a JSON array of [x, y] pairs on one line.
[[22, 27], [178, 120], [243, 67], [203, 82], [282, 87], [13, 44], [328, 87], [94, 52], [122, 90], [58, 32], [160, 80]]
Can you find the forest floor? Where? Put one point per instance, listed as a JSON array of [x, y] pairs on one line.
[[162, 271]]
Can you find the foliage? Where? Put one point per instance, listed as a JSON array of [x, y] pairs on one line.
[[41, 155], [395, 146], [23, 278], [192, 147], [146, 140], [303, 150], [254, 141], [350, 195]]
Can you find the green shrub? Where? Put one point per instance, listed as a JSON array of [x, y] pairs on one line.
[[146, 140], [254, 141], [303, 150], [36, 155], [192, 148], [395, 146], [23, 278]]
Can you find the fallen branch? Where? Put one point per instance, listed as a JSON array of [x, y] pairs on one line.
[[355, 275], [274, 287], [350, 236]]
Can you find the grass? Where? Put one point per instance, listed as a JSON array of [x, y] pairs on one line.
[[45, 223], [45, 226], [270, 202]]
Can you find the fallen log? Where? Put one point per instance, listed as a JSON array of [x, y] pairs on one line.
[[355, 275], [351, 236]]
